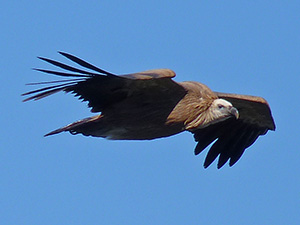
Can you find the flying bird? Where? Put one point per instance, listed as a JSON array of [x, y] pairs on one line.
[[150, 104]]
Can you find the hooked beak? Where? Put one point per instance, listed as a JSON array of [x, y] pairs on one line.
[[234, 112]]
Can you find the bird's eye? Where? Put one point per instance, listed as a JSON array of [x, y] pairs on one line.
[[220, 106]]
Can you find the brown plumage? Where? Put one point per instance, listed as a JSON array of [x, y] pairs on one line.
[[148, 105]]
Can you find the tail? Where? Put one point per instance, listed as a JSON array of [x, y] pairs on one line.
[[91, 126]]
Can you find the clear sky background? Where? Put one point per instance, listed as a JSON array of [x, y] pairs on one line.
[[246, 47]]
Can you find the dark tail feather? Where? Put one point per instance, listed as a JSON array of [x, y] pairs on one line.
[[81, 126]]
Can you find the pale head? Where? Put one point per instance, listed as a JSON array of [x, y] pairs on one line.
[[218, 111], [222, 109]]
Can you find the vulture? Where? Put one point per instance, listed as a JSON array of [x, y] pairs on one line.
[[150, 104]]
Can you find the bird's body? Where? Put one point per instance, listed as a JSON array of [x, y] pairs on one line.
[[149, 105], [145, 117]]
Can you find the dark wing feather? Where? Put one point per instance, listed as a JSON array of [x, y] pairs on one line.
[[85, 64], [234, 136], [103, 90], [254, 110]]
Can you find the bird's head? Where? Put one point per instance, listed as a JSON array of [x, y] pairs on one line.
[[218, 111], [221, 109]]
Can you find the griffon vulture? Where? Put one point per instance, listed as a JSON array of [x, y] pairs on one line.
[[149, 105]]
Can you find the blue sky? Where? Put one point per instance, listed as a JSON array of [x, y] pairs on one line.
[[246, 47]]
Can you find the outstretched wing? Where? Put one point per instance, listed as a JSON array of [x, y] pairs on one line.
[[104, 90], [234, 136]]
